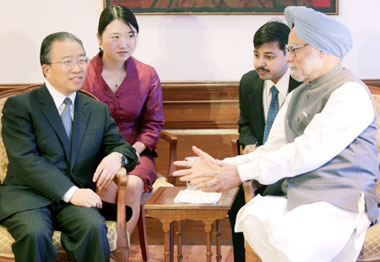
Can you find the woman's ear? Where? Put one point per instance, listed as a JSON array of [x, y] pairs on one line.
[[99, 39]]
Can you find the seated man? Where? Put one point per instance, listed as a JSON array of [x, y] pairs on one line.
[[61, 145], [257, 102], [323, 142]]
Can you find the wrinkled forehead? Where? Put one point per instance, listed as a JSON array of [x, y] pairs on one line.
[[66, 48]]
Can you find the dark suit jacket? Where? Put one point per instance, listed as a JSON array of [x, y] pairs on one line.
[[42, 164], [252, 121]]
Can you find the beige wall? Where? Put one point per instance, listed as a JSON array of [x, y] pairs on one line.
[[182, 48]]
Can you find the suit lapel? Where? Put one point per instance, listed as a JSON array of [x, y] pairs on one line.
[[256, 106], [81, 118], [48, 108]]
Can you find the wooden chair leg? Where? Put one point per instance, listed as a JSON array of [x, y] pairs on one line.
[[250, 255], [141, 226], [120, 255]]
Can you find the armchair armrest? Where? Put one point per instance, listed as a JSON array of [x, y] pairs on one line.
[[172, 140], [121, 181], [121, 219], [249, 192], [249, 186], [236, 147]]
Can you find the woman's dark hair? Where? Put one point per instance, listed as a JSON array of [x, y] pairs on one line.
[[116, 12], [48, 42], [272, 31]]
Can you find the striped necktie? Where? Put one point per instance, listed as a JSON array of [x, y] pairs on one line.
[[66, 117], [272, 112]]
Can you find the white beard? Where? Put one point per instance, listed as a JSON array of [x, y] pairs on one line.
[[310, 68]]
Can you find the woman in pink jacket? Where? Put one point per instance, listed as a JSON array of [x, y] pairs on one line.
[[132, 91]]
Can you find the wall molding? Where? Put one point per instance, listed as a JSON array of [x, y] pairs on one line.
[[198, 105], [372, 82], [204, 114], [175, 86], [185, 84]]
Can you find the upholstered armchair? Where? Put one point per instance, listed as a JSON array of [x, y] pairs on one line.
[[117, 230], [371, 248], [249, 193]]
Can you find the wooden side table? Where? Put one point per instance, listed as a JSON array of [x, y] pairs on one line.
[[161, 206]]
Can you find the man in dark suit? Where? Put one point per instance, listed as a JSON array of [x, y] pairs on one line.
[[271, 69], [61, 145]]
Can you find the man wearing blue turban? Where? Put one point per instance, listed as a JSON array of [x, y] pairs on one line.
[[322, 142]]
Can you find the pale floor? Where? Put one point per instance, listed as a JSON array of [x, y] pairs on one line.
[[190, 253]]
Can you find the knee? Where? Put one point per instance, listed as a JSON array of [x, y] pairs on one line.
[[94, 226], [135, 188], [35, 234]]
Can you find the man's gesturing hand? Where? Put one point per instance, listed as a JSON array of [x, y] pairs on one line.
[[208, 174]]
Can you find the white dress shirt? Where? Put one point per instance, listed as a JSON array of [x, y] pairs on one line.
[[282, 86], [58, 101]]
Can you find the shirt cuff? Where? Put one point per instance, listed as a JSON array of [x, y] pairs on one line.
[[69, 194], [246, 172]]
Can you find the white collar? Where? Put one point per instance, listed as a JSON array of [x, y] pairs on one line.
[[282, 85], [57, 96]]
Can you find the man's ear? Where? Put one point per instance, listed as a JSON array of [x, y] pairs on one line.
[[45, 69]]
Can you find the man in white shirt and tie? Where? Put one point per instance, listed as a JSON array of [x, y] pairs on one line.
[[61, 145], [258, 107]]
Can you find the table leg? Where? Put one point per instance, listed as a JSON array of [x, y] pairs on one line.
[[179, 242], [166, 227], [208, 230], [218, 235], [172, 232]]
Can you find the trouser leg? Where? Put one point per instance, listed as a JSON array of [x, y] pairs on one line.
[[32, 231], [237, 238], [84, 233], [299, 235]]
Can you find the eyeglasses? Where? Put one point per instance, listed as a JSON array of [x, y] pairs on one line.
[[292, 48], [69, 62]]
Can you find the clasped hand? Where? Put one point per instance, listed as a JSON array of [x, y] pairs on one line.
[[208, 174]]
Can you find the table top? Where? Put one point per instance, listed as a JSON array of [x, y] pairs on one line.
[[163, 198]]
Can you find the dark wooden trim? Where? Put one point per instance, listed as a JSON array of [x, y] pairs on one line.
[[5, 87], [175, 86], [372, 82], [199, 105], [188, 91]]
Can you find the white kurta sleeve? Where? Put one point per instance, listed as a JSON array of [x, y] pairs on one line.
[[346, 114]]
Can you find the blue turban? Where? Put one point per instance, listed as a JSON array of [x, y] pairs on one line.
[[319, 30]]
